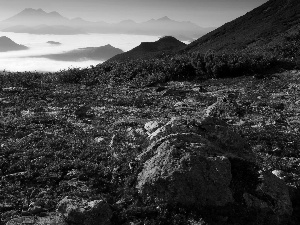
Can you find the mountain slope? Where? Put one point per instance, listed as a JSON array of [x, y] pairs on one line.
[[145, 50], [82, 54], [256, 28], [7, 44], [31, 16]]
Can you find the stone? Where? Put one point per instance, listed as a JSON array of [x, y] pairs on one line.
[[280, 174], [151, 126], [276, 189], [99, 139], [270, 200], [224, 106], [36, 209], [180, 172], [201, 162], [84, 212]]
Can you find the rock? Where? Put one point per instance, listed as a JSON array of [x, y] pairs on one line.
[[83, 212], [180, 172], [151, 126], [52, 219], [180, 104], [35, 209], [278, 191], [201, 162], [137, 135], [280, 174], [271, 198], [224, 106], [99, 139]]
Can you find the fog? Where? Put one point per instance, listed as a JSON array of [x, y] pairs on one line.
[[26, 60]]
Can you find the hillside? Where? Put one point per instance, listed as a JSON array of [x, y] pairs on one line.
[[231, 146], [7, 44], [265, 24], [146, 50], [90, 53]]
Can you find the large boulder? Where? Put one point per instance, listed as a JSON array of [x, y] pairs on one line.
[[82, 212], [201, 162], [180, 172]]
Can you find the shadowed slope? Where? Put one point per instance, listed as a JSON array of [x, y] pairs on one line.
[[256, 28]]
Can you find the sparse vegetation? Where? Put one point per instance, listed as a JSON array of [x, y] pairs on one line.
[[56, 129]]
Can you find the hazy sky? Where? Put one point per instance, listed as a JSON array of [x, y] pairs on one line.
[[205, 13]]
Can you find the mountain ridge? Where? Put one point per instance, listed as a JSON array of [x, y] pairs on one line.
[[256, 28], [101, 53], [163, 26], [164, 45]]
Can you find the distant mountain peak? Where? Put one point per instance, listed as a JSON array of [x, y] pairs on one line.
[[165, 18], [31, 10], [36, 16], [54, 13]]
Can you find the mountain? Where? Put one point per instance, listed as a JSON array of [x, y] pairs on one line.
[[28, 20], [145, 50], [265, 25], [53, 43], [7, 44], [31, 17], [45, 29], [82, 54]]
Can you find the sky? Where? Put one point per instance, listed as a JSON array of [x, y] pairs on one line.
[[206, 13]]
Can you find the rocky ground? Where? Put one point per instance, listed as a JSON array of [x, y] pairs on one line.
[[69, 152]]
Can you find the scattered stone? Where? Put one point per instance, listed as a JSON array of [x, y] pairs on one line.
[[36, 209], [99, 139], [83, 212], [137, 135], [224, 106], [52, 219], [13, 90], [280, 174], [151, 126]]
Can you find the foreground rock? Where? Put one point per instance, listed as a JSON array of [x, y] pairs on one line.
[[202, 163], [82, 212]]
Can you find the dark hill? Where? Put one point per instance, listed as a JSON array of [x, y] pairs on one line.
[[7, 44], [256, 28], [146, 50], [82, 54]]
